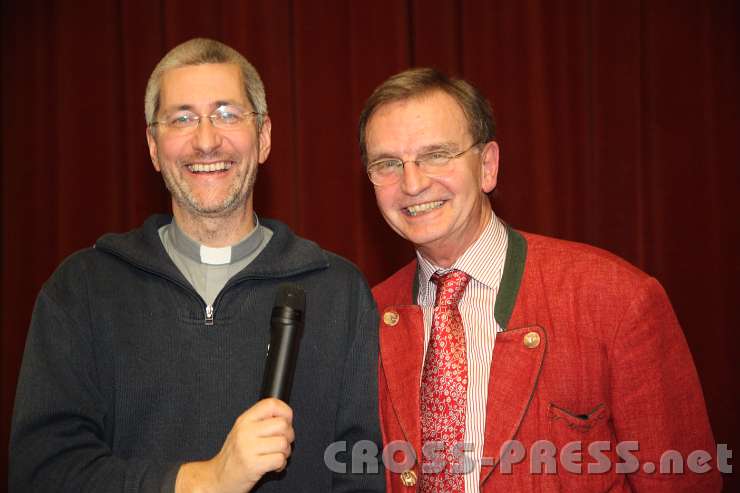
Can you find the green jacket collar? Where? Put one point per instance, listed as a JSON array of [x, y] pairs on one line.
[[516, 255]]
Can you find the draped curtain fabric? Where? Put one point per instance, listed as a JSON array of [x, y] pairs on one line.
[[618, 123]]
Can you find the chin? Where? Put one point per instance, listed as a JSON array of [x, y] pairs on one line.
[[421, 240]]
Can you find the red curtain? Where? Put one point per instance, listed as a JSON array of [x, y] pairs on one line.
[[618, 123]]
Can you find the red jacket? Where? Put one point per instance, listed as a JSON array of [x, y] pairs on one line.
[[591, 351]]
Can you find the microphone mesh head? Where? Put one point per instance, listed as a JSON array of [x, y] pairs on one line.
[[291, 295]]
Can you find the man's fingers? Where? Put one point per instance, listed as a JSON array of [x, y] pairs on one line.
[[268, 408], [272, 453], [274, 427], [274, 445], [273, 462], [259, 442]]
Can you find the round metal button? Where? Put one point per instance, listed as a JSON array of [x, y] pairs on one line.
[[390, 318], [531, 340], [408, 478]]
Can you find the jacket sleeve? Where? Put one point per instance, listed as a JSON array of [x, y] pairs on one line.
[[58, 433], [357, 419], [657, 398]]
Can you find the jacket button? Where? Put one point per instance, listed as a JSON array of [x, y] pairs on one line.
[[408, 478], [390, 318], [531, 340]]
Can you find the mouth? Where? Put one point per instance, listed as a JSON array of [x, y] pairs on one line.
[[417, 209], [216, 167]]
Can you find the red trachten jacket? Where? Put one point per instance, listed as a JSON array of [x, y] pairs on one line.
[[591, 353]]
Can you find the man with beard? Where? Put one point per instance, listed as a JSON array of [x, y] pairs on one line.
[[144, 359]]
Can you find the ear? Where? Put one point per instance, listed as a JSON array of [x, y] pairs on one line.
[[489, 167], [152, 143], [265, 139]]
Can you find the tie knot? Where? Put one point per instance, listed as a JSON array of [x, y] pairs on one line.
[[450, 287]]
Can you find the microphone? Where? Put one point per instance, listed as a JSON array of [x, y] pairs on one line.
[[286, 329]]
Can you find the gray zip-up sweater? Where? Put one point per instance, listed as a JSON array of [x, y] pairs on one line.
[[125, 376]]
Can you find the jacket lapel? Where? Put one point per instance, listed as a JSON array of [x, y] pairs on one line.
[[517, 360], [401, 355]]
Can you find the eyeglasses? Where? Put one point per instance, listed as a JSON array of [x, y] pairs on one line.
[[226, 117], [389, 171]]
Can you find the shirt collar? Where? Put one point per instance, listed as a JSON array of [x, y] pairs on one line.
[[190, 248], [483, 261]]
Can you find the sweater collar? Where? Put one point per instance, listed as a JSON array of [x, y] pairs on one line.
[[285, 255]]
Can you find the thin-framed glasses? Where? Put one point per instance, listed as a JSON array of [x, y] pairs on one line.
[[435, 163], [225, 117]]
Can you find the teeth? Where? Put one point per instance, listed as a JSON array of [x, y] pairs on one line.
[[419, 208], [207, 168]]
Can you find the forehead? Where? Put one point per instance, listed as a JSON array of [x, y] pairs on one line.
[[201, 85], [406, 125]]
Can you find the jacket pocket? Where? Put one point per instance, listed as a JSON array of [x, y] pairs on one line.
[[577, 423], [584, 439]]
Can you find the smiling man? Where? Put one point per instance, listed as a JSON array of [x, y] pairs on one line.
[[145, 356], [511, 361]]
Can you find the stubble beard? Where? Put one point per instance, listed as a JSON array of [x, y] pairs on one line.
[[241, 189]]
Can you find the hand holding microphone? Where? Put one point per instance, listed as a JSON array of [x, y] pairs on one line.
[[260, 440]]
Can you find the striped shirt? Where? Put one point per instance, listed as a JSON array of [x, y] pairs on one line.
[[483, 261]]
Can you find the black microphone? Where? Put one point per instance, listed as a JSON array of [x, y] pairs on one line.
[[286, 327]]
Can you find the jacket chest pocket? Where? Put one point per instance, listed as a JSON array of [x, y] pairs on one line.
[[584, 446]]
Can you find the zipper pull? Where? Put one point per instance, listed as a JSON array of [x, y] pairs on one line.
[[209, 315]]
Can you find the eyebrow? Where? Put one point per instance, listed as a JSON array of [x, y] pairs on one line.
[[215, 105], [444, 146], [441, 146], [230, 102]]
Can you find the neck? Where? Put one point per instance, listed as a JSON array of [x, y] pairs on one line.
[[216, 231]]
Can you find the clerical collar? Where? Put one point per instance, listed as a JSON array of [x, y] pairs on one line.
[[190, 248]]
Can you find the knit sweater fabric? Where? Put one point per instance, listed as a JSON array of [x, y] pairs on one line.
[[125, 376]]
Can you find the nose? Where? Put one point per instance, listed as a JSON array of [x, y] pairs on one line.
[[413, 181], [206, 137]]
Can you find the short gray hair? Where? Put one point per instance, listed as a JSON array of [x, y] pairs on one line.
[[422, 81], [199, 51]]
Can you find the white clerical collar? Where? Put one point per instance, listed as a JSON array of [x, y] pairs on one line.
[[215, 255]]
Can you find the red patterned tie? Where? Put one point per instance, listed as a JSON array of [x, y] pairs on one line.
[[444, 383]]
